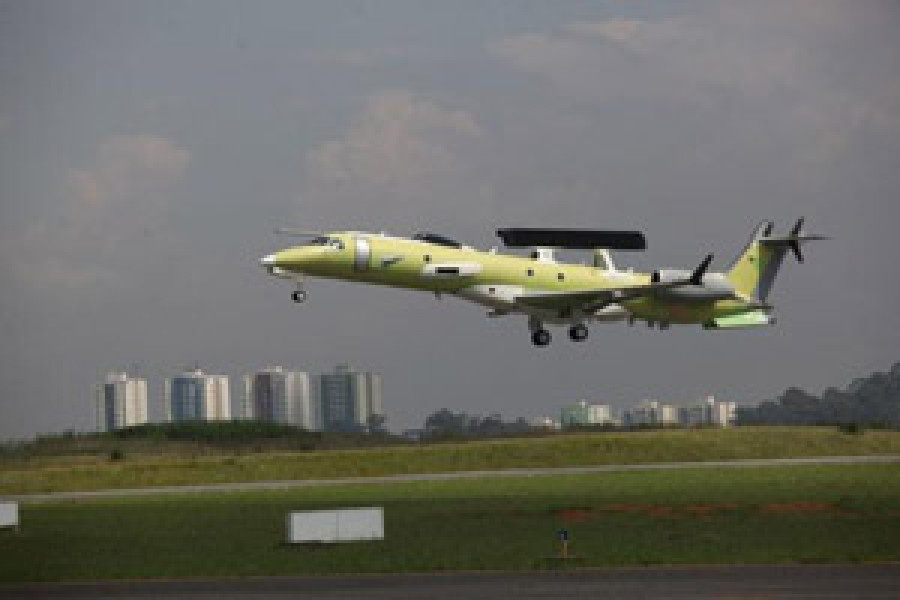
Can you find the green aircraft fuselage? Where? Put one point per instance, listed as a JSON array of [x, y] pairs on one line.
[[545, 290]]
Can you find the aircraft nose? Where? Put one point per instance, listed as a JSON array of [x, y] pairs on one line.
[[267, 261]]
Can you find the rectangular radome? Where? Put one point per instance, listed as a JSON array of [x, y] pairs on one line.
[[574, 239]]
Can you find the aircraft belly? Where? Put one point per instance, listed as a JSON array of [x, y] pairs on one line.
[[684, 312], [500, 297], [666, 311]]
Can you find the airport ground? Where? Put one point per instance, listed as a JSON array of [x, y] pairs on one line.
[[750, 582], [764, 515], [108, 462]]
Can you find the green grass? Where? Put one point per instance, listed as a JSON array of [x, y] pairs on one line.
[[48, 474], [508, 523]]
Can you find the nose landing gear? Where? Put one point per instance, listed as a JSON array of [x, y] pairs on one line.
[[298, 296], [539, 335]]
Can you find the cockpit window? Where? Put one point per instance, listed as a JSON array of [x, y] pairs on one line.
[[439, 240], [327, 241]]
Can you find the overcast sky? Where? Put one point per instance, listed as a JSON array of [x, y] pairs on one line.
[[148, 150]]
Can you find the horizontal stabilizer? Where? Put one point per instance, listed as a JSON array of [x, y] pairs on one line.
[[793, 240], [753, 318], [574, 239]]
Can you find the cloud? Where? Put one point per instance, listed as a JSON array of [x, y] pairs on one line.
[[107, 209], [681, 57], [790, 65], [126, 168], [399, 138], [402, 153]]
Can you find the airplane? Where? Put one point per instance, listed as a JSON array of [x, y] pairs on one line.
[[549, 292]]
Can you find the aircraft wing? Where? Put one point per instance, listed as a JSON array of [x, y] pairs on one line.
[[596, 299], [591, 299]]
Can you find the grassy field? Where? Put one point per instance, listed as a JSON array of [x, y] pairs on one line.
[[85, 472], [785, 514]]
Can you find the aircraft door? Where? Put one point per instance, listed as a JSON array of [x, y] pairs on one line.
[[362, 254]]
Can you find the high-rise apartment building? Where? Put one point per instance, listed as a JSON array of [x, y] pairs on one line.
[[279, 396], [121, 401], [196, 396], [651, 412], [709, 412], [582, 413], [350, 400]]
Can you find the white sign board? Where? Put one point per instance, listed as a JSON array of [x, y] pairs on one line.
[[9, 514], [343, 525]]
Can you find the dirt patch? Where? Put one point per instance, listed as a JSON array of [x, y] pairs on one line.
[[802, 508], [624, 508], [662, 510], [669, 511], [708, 510], [575, 515]]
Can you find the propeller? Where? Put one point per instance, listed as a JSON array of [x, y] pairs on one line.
[[795, 244]]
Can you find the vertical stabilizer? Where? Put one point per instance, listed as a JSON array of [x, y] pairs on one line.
[[753, 272]]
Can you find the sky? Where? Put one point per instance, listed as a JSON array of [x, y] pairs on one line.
[[149, 149]]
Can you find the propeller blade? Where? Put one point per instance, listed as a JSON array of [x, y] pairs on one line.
[[697, 276], [794, 244]]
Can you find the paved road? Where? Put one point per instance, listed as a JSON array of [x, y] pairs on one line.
[[808, 582], [300, 483]]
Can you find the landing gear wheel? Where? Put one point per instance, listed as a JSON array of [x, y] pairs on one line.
[[540, 337], [578, 333], [298, 296]]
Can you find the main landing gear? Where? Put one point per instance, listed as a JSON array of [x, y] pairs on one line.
[[298, 296], [578, 333], [540, 337]]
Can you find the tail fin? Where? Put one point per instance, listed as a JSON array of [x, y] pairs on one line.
[[753, 272]]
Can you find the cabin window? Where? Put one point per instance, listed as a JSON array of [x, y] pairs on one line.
[[531, 272], [427, 258], [561, 276]]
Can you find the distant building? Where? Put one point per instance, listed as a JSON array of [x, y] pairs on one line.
[[413, 435], [278, 396], [582, 413], [350, 400], [121, 401], [545, 423], [709, 412], [651, 412], [196, 396]]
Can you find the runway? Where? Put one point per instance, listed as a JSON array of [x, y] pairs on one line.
[[752, 582], [301, 483]]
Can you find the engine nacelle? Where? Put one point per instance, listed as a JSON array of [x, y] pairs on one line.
[[713, 286], [669, 275]]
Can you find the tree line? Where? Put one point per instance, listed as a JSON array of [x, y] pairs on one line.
[[872, 401]]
